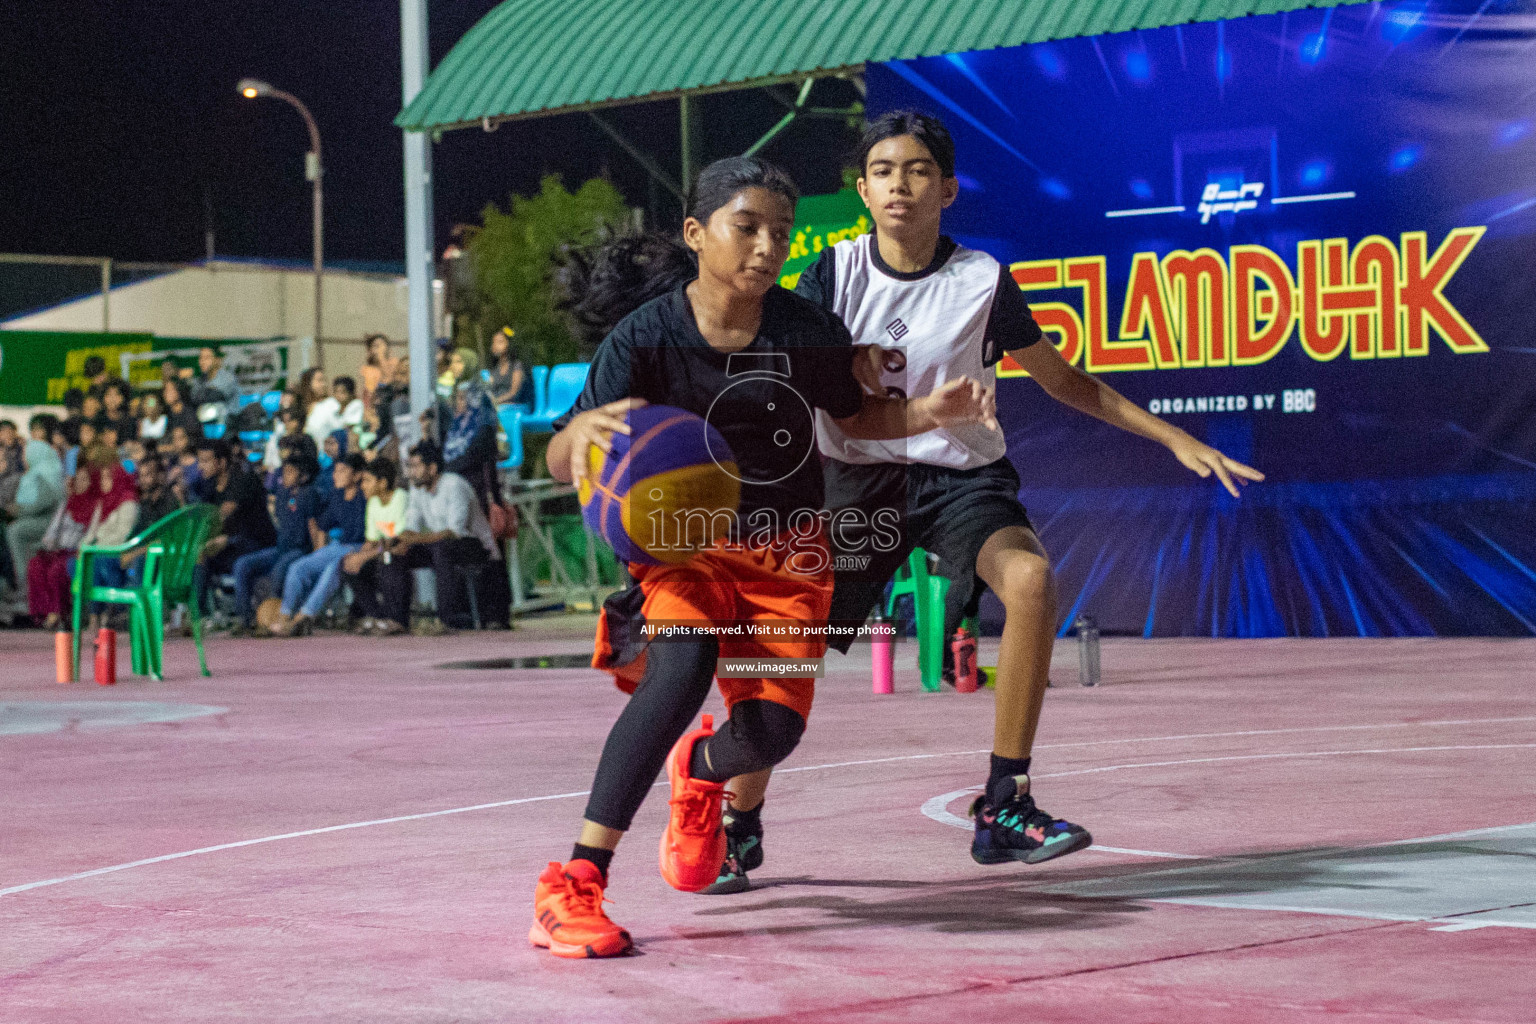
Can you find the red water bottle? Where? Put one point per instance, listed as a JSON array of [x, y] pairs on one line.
[[106, 656], [964, 648]]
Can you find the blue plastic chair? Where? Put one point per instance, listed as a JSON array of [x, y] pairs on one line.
[[565, 383], [511, 416], [213, 431], [245, 400], [540, 390], [271, 401]]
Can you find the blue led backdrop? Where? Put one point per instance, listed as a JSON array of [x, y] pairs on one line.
[[1310, 240]]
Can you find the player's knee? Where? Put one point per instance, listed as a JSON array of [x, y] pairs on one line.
[[769, 731], [1027, 584]]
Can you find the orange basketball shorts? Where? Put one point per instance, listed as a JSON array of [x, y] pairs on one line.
[[787, 582]]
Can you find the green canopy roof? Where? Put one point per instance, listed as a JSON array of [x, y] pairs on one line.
[[529, 58]]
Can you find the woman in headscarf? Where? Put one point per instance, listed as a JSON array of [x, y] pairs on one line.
[[101, 509], [469, 442], [37, 497]]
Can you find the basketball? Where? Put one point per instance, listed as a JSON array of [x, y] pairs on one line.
[[667, 490]]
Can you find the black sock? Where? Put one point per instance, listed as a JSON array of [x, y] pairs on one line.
[[743, 823], [596, 854], [1005, 768]]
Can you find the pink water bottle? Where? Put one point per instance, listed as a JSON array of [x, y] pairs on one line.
[[964, 648], [882, 643]]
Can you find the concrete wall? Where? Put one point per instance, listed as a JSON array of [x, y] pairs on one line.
[[248, 301]]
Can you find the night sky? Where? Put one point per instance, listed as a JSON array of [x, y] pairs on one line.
[[120, 117]]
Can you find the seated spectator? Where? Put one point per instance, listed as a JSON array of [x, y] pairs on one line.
[[378, 367], [65, 442], [39, 493], [10, 462], [510, 382], [94, 369], [324, 412], [463, 364], [289, 423], [469, 443], [214, 383], [100, 509], [245, 526], [385, 520], [179, 453], [152, 420], [295, 502], [90, 407], [73, 402], [114, 411], [337, 532], [156, 501], [444, 528], [179, 410]]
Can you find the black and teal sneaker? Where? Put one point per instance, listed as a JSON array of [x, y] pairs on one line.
[[1010, 827], [743, 853]]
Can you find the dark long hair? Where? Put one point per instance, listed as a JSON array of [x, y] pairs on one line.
[[603, 284]]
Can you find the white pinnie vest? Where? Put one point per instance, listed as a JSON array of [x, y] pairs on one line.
[[939, 321]]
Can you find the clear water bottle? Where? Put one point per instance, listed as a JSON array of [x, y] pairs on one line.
[[1087, 650]]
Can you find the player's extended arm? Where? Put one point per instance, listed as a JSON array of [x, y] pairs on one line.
[[882, 418], [1085, 393]]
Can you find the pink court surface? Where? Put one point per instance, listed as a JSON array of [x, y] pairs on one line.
[[346, 830]]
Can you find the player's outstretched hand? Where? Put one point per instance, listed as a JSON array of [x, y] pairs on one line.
[[962, 400], [1205, 460], [597, 427]]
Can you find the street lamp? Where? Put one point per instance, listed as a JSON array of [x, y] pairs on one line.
[[251, 88]]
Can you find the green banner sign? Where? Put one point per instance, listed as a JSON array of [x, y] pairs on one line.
[[37, 367], [822, 221]]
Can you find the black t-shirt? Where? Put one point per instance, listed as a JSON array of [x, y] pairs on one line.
[[760, 398], [1010, 325], [250, 518]]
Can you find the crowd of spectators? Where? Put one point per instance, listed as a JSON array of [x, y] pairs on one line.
[[323, 510]]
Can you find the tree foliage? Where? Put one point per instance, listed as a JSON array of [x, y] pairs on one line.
[[513, 254]]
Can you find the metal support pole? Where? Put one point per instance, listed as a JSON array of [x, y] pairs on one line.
[[785, 121], [688, 143], [418, 208], [314, 171], [106, 296], [652, 168]]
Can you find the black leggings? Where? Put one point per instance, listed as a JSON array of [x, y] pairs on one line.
[[759, 734]]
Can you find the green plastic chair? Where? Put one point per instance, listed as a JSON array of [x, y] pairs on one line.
[[928, 592], [172, 547]]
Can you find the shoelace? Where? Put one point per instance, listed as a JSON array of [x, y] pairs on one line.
[[584, 898], [696, 808]]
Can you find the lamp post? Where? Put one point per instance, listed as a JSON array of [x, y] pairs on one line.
[[251, 88]]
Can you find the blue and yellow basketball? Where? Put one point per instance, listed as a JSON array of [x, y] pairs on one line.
[[667, 490]]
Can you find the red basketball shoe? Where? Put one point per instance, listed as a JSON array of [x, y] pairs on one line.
[[568, 917], [693, 845]]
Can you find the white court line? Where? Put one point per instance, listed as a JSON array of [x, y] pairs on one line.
[[937, 808], [806, 768]]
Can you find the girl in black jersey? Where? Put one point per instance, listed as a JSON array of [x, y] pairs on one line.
[[718, 338], [953, 312]]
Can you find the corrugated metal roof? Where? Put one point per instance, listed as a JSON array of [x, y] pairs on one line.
[[533, 57]]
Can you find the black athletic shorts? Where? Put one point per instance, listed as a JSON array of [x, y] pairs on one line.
[[879, 513]]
